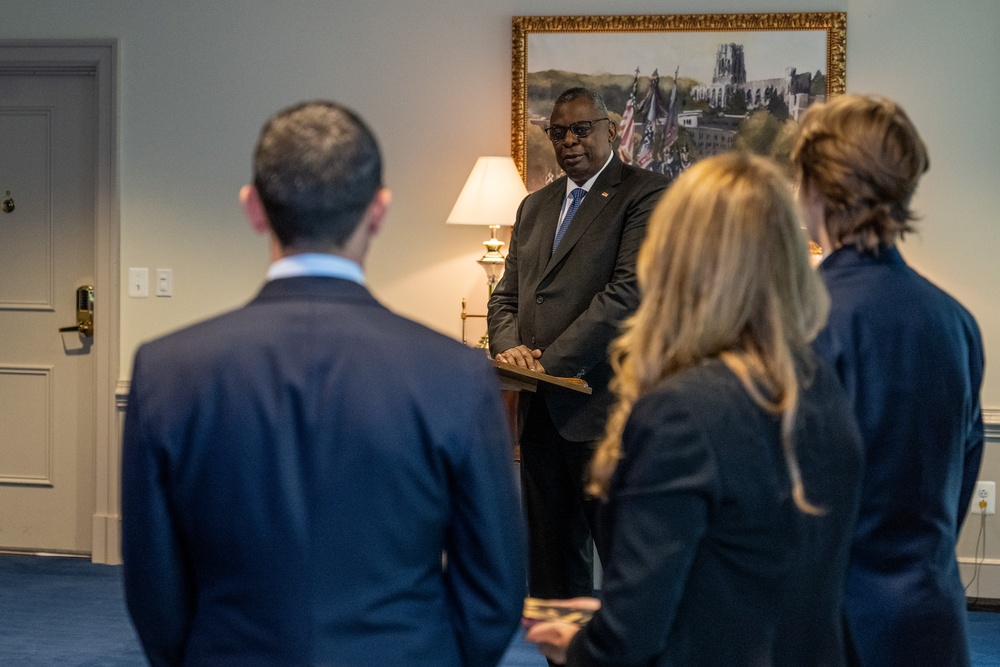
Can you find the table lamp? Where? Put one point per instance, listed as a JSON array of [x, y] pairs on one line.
[[490, 197]]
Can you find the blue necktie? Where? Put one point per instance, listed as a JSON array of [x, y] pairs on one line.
[[577, 195]]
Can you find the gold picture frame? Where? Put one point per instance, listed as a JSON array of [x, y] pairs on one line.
[[592, 51]]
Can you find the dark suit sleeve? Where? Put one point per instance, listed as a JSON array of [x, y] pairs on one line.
[[976, 436], [502, 321], [970, 468], [485, 543], [660, 502], [157, 584], [584, 343]]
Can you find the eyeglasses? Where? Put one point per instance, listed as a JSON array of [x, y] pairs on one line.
[[580, 129]]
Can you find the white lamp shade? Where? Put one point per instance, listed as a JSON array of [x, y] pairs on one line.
[[491, 195]]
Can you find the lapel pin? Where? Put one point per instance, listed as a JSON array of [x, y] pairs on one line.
[[604, 194]]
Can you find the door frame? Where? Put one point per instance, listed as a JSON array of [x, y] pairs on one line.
[[97, 58]]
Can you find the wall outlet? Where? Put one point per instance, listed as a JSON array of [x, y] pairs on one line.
[[984, 500]]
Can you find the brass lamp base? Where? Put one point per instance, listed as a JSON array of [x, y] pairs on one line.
[[484, 342], [493, 263]]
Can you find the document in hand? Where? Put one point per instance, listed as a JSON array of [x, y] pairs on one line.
[[537, 610]]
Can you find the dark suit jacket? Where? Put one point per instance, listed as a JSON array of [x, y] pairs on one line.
[[570, 304], [709, 561], [911, 360], [293, 471]]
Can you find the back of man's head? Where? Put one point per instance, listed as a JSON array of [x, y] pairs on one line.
[[316, 168]]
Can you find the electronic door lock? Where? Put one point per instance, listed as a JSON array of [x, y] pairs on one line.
[[84, 312]]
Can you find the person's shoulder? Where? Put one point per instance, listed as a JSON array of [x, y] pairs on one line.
[[545, 196], [702, 383], [210, 330], [407, 329], [407, 342], [817, 375], [886, 286], [706, 377], [183, 360], [557, 186], [942, 298], [642, 177], [700, 406], [859, 281], [435, 364]]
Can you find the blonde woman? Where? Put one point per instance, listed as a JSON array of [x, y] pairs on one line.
[[731, 466], [911, 358]]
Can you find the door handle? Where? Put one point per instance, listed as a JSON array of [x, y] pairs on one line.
[[84, 312]]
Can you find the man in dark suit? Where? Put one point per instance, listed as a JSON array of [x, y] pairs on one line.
[[299, 487], [911, 359], [556, 309]]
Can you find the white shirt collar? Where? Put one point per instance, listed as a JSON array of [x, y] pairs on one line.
[[571, 185], [316, 264]]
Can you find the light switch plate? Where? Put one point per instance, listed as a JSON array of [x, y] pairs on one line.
[[164, 282], [138, 282]]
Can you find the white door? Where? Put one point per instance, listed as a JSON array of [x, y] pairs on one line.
[[48, 133]]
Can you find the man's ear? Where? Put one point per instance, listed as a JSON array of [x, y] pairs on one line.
[[613, 130], [253, 209], [375, 213]]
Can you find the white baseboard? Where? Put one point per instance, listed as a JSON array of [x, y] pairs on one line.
[[107, 532]]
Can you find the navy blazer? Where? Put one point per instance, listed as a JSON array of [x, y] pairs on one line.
[[911, 359], [571, 303], [293, 471], [708, 560]]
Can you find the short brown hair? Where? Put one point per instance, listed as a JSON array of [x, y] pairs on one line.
[[864, 157]]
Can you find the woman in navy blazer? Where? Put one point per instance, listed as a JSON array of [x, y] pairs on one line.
[[731, 466], [911, 359]]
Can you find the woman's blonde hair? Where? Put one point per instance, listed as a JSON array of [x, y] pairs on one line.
[[724, 273], [864, 157]]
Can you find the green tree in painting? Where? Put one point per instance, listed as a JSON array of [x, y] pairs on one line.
[[777, 107], [736, 105], [818, 85], [763, 134]]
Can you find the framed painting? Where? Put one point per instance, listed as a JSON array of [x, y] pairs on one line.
[[678, 87]]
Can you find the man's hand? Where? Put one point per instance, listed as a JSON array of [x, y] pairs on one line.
[[522, 356], [553, 637]]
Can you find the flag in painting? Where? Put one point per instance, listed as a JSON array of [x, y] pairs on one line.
[[671, 129], [645, 155], [626, 129]]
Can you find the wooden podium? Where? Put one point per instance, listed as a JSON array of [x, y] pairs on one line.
[[515, 378]]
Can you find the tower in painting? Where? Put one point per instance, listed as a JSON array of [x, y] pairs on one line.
[[730, 68]]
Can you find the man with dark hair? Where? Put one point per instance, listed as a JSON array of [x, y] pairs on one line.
[[569, 283], [316, 170], [299, 488]]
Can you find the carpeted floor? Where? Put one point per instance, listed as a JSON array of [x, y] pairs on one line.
[[64, 611], [70, 612]]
